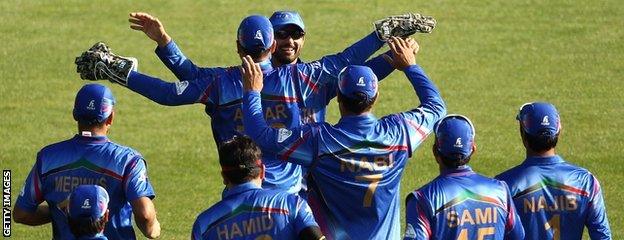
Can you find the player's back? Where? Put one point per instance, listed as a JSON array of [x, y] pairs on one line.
[[555, 199], [63, 166], [460, 204], [249, 212], [355, 177]]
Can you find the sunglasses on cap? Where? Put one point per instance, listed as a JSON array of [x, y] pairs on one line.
[[294, 34]]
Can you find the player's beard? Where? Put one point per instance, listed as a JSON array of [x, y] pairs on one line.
[[288, 52]]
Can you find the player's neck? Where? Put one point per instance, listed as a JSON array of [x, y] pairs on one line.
[[548, 153], [93, 131]]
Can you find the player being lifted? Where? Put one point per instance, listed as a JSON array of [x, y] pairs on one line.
[[289, 88], [554, 199], [460, 204], [355, 166]]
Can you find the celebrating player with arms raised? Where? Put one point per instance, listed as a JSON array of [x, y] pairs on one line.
[[289, 88], [360, 159]]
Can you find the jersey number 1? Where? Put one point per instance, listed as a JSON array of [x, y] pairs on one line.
[[555, 224]]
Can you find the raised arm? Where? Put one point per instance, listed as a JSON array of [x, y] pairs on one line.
[[167, 50], [170, 93], [419, 121], [289, 144]]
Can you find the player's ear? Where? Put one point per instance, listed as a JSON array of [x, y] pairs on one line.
[[474, 148], [273, 46], [109, 120], [262, 171], [225, 181], [239, 50], [105, 217]]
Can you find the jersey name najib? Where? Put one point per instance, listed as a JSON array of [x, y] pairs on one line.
[[63, 166], [555, 199]]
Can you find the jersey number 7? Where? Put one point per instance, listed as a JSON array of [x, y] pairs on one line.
[[374, 181]]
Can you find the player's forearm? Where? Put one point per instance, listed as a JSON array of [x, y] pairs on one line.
[[380, 66], [162, 92], [427, 92], [255, 124], [362, 49], [38, 217], [182, 67], [145, 217]]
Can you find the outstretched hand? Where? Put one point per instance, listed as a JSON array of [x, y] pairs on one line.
[[151, 26], [403, 52], [252, 75]]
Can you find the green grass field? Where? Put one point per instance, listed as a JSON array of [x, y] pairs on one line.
[[487, 57]]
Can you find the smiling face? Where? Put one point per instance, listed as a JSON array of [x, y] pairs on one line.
[[289, 40]]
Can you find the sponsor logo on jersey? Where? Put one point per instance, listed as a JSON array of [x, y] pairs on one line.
[[409, 231], [283, 134], [181, 86]]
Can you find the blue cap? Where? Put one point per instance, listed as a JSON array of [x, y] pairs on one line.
[[255, 33], [94, 103], [88, 201], [280, 19], [539, 119], [455, 134], [354, 79]]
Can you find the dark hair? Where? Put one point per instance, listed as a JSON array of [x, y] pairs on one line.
[[256, 53], [239, 159], [451, 161], [540, 143], [356, 105], [86, 226]]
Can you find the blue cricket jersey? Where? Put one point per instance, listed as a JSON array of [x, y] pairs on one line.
[[556, 199], [461, 204], [63, 166], [250, 212], [355, 166], [292, 94]]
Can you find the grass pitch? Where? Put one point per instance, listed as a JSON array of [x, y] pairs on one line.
[[486, 57]]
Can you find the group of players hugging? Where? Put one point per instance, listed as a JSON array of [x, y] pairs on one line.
[[291, 175]]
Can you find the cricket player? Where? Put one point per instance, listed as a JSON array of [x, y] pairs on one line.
[[89, 158], [554, 199], [247, 211], [459, 203], [289, 88], [354, 166], [87, 212]]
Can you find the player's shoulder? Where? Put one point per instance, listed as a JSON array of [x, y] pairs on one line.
[[511, 175], [57, 147]]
